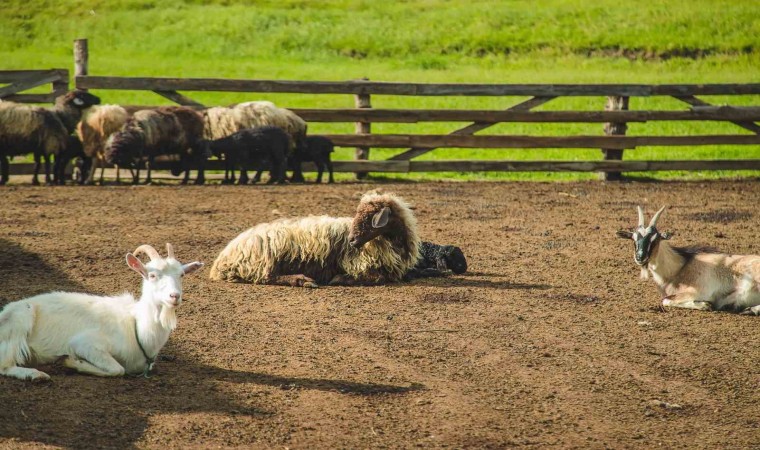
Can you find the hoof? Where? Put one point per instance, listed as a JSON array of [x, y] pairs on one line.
[[310, 285]]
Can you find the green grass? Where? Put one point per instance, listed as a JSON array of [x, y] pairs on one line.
[[491, 41]]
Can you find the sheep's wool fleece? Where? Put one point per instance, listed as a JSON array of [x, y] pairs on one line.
[[98, 123], [255, 254], [20, 122]]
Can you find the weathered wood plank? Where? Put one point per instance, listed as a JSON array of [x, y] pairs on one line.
[[473, 128], [511, 141], [30, 82], [614, 129], [180, 99], [747, 124], [362, 101], [722, 113], [9, 76], [31, 98], [497, 166], [417, 89]]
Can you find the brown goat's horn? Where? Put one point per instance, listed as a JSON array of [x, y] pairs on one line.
[[656, 217], [148, 250], [169, 251], [641, 216]]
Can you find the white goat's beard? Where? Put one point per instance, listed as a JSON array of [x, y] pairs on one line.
[[644, 273], [168, 317]]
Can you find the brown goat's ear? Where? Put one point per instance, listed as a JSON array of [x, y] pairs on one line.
[[667, 235], [622, 234], [380, 219]]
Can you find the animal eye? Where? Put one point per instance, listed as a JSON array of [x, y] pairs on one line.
[[152, 276]]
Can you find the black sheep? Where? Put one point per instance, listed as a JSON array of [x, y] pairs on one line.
[[254, 146], [314, 149], [73, 150], [436, 260]]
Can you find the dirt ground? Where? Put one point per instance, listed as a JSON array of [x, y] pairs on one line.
[[550, 340]]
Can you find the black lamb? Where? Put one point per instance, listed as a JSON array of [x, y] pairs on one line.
[[436, 260], [259, 147], [314, 149]]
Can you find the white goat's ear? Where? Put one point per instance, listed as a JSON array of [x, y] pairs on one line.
[[191, 267], [380, 219], [136, 265], [622, 234]]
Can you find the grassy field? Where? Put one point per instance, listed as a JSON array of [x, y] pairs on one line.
[[562, 41]]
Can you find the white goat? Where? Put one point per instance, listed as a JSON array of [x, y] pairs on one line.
[[695, 277], [104, 336]]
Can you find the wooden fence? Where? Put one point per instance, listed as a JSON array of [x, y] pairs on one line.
[[612, 142]]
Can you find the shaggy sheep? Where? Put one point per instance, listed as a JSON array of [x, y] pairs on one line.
[[163, 131], [254, 146], [98, 124], [316, 149], [43, 131], [378, 245], [436, 260], [220, 122]]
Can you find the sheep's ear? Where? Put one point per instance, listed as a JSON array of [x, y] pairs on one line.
[[380, 219], [136, 265], [622, 234], [191, 267]]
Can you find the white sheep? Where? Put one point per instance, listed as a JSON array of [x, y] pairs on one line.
[[378, 245], [104, 336], [97, 125]]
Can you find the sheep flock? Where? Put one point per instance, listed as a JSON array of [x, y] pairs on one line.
[[255, 135]]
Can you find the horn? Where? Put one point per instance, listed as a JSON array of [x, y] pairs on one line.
[[169, 251], [656, 216], [148, 250], [641, 216]]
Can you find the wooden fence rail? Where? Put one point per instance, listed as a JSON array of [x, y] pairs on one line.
[[612, 140]]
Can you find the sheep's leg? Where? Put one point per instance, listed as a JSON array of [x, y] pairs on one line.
[[297, 172], [24, 373], [243, 179], [201, 177], [687, 300], [4, 169], [299, 280], [257, 177], [330, 171], [278, 172], [320, 170], [135, 174], [48, 181], [91, 359], [149, 169], [37, 163]]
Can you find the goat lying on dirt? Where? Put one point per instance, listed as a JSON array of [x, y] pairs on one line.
[[104, 336], [695, 277]]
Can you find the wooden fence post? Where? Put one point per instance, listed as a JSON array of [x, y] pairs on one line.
[[362, 101], [614, 103], [81, 58]]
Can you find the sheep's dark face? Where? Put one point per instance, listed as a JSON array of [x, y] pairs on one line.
[[372, 220], [455, 259], [123, 148], [80, 99]]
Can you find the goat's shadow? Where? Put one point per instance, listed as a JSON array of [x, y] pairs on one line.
[[23, 274], [79, 411]]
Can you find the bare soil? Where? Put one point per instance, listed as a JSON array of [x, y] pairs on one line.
[[551, 339]]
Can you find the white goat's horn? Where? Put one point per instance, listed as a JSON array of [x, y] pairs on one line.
[[641, 217], [148, 250], [656, 216], [169, 250]]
